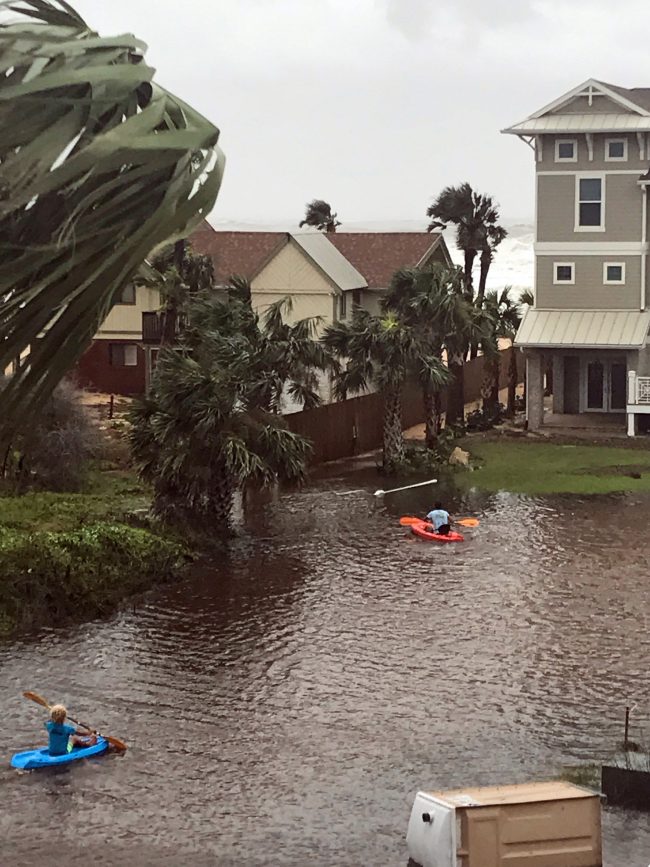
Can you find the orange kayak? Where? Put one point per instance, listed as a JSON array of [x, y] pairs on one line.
[[425, 531]]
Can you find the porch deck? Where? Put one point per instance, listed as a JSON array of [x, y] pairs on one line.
[[588, 424]]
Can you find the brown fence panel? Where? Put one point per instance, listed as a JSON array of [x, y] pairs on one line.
[[350, 427]]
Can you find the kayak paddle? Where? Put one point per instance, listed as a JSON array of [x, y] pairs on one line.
[[405, 488], [464, 522], [114, 742]]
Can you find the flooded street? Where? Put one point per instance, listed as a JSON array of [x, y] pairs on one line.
[[284, 706]]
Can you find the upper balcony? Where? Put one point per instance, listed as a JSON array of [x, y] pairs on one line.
[[153, 325]]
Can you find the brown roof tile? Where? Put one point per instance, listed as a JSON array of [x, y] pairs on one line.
[[236, 253], [378, 255]]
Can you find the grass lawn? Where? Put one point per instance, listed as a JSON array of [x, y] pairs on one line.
[[109, 497], [549, 468]]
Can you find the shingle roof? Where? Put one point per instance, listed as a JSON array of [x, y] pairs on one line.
[[328, 258], [372, 256], [378, 255], [638, 95], [236, 253], [585, 329]]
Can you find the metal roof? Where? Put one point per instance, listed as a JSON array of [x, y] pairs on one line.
[[331, 262], [561, 123], [584, 329]]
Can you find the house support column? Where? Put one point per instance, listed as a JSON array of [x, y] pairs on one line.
[[631, 424], [558, 383], [631, 399], [534, 390]]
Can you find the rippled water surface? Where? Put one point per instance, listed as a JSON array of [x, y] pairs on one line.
[[284, 706]]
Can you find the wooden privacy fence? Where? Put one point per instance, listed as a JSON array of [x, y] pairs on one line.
[[350, 427]]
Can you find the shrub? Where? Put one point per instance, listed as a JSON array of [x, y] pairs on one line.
[[55, 453], [51, 577]]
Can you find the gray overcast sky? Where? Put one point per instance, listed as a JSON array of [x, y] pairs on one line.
[[375, 105]]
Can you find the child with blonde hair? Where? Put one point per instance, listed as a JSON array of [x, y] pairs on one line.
[[63, 736]]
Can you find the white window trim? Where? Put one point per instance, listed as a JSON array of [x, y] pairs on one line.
[[133, 349], [622, 159], [601, 176], [570, 282], [607, 282], [574, 158]]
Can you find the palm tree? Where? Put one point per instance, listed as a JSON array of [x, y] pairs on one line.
[[201, 433], [319, 215], [178, 273], [98, 166], [477, 229], [431, 300], [382, 351], [504, 318]]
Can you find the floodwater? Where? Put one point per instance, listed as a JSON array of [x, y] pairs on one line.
[[284, 706]]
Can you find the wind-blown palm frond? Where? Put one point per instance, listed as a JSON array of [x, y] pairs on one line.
[[98, 166]]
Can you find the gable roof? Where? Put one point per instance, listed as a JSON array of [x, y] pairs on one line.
[[236, 253], [328, 258], [352, 260], [633, 113], [378, 255]]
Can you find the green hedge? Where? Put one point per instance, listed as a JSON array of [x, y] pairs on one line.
[[47, 578]]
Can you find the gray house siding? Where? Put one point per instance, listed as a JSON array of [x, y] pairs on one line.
[[556, 208], [583, 163], [580, 105], [589, 292]]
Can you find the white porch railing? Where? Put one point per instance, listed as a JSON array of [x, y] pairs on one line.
[[638, 389]]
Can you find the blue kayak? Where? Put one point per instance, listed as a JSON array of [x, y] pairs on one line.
[[32, 759]]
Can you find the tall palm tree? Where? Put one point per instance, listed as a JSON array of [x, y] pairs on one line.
[[504, 317], [201, 432], [98, 166], [178, 273], [431, 300], [382, 351], [319, 215], [475, 217]]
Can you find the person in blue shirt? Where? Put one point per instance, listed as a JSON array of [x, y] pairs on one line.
[[63, 736], [440, 520]]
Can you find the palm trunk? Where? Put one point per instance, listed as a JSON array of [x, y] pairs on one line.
[[456, 392], [469, 256], [170, 315], [486, 261], [221, 503], [432, 408], [490, 386], [512, 381], [393, 439]]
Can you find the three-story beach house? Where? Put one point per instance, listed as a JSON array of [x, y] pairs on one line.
[[590, 319]]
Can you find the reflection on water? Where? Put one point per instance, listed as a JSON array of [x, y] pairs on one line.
[[284, 705]]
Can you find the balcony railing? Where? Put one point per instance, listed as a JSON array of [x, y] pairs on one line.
[[153, 325], [638, 389]]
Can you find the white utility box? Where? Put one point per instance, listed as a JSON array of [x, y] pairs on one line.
[[554, 824]]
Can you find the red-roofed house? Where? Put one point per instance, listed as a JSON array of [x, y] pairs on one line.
[[324, 274]]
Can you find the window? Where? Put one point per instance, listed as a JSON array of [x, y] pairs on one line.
[[126, 295], [566, 150], [356, 297], [343, 306], [590, 204], [564, 272], [614, 272], [615, 150], [123, 354]]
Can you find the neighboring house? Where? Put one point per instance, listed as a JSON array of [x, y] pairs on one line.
[[378, 255], [115, 362], [590, 319], [325, 274]]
